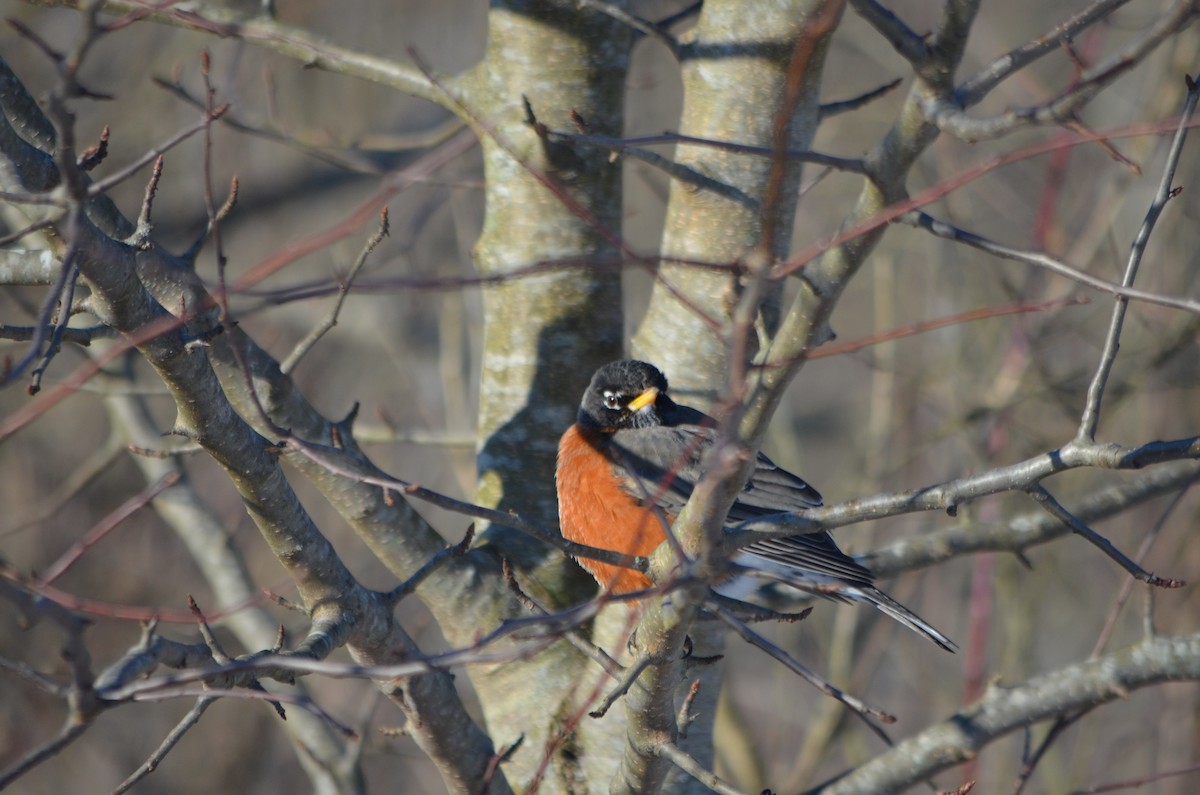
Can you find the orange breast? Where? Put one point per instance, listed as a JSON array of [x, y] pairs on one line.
[[594, 510]]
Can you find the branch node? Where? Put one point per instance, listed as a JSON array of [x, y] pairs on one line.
[[94, 155]]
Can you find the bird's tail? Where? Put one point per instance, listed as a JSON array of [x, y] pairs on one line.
[[758, 587], [899, 612]]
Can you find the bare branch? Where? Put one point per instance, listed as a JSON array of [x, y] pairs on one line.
[[1118, 786], [82, 704], [949, 495], [852, 703], [689, 765], [447, 554], [250, 694], [37, 678], [829, 109], [862, 230], [357, 159], [628, 679], [1085, 685], [909, 44], [75, 336], [645, 27], [1148, 540], [1038, 259], [306, 344], [976, 88], [1055, 509], [28, 267], [351, 470], [1024, 531], [43, 327], [1108, 356], [151, 155], [105, 526], [631, 145], [299, 44], [187, 722], [70, 732], [946, 113]]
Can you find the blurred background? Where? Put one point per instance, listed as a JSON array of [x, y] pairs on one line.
[[898, 415]]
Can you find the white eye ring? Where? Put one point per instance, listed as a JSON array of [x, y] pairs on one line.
[[612, 399]]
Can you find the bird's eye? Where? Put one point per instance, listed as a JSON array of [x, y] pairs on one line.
[[612, 400]]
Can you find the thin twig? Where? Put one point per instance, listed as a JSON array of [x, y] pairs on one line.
[[1136, 783], [76, 336], [1056, 509], [507, 519], [751, 613], [949, 232], [904, 40], [855, 705], [33, 226], [295, 699], [210, 207], [688, 764], [69, 733], [107, 525], [57, 329], [35, 677], [1110, 622], [214, 646], [430, 566], [971, 315], [854, 103], [848, 164], [149, 156], [306, 344], [1030, 762], [173, 737], [145, 220], [976, 88], [355, 158], [946, 112], [581, 644], [1095, 393], [220, 656], [643, 26], [501, 756], [97, 463], [951, 184], [42, 325], [627, 680], [685, 716]]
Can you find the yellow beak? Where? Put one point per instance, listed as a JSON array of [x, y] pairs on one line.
[[645, 399]]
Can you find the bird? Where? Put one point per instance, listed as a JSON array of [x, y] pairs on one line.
[[629, 463]]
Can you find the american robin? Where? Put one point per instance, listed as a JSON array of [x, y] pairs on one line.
[[629, 464]]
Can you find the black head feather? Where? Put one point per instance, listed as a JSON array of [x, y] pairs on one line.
[[606, 403]]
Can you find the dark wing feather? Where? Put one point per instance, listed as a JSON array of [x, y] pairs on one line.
[[772, 490], [813, 552], [665, 462], [652, 465]]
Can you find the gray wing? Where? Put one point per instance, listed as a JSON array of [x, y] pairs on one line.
[[664, 463], [812, 553]]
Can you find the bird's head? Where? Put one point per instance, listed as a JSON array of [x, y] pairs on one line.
[[625, 394]]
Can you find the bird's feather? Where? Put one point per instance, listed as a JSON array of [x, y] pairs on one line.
[[664, 463]]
